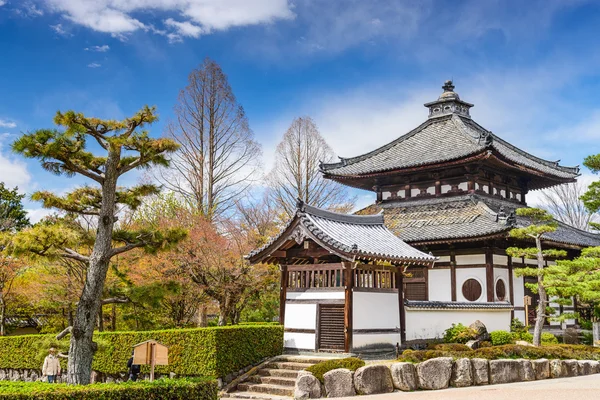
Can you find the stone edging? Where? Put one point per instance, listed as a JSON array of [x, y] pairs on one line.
[[436, 373]]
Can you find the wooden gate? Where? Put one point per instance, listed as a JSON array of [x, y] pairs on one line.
[[330, 335]]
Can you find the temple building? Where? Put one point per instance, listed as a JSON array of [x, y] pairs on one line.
[[430, 252]]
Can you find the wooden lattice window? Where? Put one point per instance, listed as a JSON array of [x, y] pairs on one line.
[[500, 290], [415, 284], [471, 289]]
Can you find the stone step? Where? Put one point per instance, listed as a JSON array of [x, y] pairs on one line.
[[254, 395], [266, 388], [283, 373], [302, 359], [273, 380], [296, 366]]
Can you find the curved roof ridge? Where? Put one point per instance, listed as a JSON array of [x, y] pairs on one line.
[[351, 160], [551, 164], [376, 219]]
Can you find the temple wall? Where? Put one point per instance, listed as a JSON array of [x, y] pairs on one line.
[[440, 287], [501, 274], [300, 316], [462, 274], [377, 315], [431, 324]]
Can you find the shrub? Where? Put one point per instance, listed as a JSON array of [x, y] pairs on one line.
[[459, 333], [586, 324], [547, 338], [448, 347], [517, 326], [485, 344], [213, 352], [170, 389], [500, 338], [319, 369]]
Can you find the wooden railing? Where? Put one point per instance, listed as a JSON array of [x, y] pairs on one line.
[[315, 276], [374, 279]]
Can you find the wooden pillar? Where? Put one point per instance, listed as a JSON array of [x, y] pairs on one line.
[[349, 285], [283, 293], [401, 310], [453, 274], [438, 188], [407, 191], [489, 273], [511, 287]]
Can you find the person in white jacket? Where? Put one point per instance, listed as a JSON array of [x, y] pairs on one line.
[[51, 367]]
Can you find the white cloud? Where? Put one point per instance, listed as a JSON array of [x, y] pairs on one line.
[[29, 9], [60, 30], [4, 123], [37, 214], [121, 17], [101, 49], [94, 65], [184, 28], [14, 171], [2, 2]]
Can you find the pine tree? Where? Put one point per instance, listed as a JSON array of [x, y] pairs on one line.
[[541, 223], [591, 198], [12, 213], [124, 146]]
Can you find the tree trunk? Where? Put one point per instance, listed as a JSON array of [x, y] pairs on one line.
[[2, 316], [113, 319], [541, 309], [82, 348], [202, 316]]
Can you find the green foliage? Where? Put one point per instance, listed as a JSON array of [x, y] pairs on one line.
[[459, 333], [13, 216], [212, 352], [586, 324], [448, 347], [319, 369], [500, 338], [548, 338], [565, 352], [517, 326], [168, 389], [524, 335]]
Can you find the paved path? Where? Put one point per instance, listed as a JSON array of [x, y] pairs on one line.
[[578, 388]]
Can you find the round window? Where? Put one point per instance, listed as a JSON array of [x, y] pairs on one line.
[[500, 290], [471, 289]]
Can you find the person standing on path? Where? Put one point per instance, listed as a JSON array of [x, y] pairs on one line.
[[133, 369], [51, 367]]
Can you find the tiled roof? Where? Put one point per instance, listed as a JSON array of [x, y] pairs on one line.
[[456, 305], [464, 217], [440, 139], [349, 236]]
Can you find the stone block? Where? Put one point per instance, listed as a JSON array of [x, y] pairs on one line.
[[435, 373], [373, 379], [404, 376], [526, 372], [481, 373], [585, 367], [338, 383], [504, 371], [307, 386], [571, 367], [541, 368], [556, 369], [462, 373]]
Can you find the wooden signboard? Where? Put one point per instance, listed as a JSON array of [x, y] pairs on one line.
[[150, 353]]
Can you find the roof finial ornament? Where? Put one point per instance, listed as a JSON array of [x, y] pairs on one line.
[[299, 204], [448, 86], [355, 248]]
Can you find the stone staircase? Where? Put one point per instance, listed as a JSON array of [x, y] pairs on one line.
[[275, 380]]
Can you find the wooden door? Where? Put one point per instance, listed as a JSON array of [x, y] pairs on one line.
[[330, 336]]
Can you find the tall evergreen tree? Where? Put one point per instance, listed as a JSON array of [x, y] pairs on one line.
[[591, 198], [541, 223], [125, 146], [12, 213]]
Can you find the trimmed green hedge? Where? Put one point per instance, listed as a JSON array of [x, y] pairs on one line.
[[565, 352], [212, 352], [168, 389], [319, 369], [500, 338]]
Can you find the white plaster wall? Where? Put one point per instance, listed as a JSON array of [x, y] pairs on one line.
[[300, 316], [517, 260], [530, 261], [500, 260], [466, 259], [305, 341], [520, 315], [375, 310], [502, 273], [440, 286], [443, 258], [362, 340], [462, 274], [316, 295], [519, 290], [424, 324]]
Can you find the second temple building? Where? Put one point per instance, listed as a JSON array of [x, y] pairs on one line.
[[430, 252]]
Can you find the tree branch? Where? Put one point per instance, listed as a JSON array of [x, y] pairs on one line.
[[72, 254]]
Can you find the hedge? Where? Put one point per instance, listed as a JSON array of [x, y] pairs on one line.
[[319, 369], [565, 352], [211, 352], [168, 389]]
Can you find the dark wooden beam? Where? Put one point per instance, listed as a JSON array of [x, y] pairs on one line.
[[308, 253], [349, 285], [453, 274], [283, 293], [401, 311], [510, 287], [489, 273]]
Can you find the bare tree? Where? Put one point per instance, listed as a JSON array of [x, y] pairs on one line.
[[563, 202], [296, 173], [218, 157]]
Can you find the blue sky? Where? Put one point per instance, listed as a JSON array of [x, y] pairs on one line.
[[361, 69]]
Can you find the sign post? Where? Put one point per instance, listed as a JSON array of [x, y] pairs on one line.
[[527, 302], [150, 353]]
